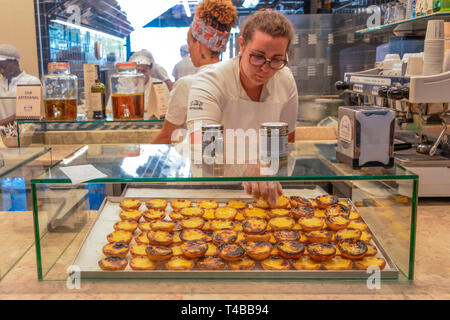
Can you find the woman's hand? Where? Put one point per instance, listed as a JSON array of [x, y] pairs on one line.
[[268, 190]]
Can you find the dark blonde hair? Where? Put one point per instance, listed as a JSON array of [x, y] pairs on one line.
[[219, 14], [268, 21]]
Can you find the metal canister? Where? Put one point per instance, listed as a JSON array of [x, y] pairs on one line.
[[273, 142], [212, 143]]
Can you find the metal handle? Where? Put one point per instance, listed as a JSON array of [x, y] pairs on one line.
[[438, 141]]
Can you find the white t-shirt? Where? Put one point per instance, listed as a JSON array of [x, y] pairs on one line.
[[158, 72], [183, 68], [217, 96]]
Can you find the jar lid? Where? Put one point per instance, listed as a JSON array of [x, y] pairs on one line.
[[58, 65], [126, 64]]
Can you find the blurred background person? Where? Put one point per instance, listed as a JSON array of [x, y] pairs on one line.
[[185, 66]]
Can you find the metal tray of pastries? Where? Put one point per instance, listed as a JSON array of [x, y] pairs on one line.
[[191, 238]]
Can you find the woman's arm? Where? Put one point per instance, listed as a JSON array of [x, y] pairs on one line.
[[165, 135]]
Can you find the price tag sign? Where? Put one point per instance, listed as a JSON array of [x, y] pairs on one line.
[[158, 101], [29, 102]]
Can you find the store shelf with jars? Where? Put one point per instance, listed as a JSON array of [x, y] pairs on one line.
[[177, 217], [17, 166]]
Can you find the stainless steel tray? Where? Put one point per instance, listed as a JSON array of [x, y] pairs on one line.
[[90, 253]]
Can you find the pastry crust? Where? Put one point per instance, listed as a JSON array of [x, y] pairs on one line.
[[130, 215], [256, 213], [283, 202], [336, 223], [192, 212], [258, 250], [325, 201], [319, 236], [227, 213], [145, 226], [192, 234], [231, 251], [120, 236], [254, 226], [366, 236], [275, 263], [274, 213], [194, 249], [208, 204], [321, 251], [224, 236], [126, 225], [138, 250], [352, 250], [337, 210], [159, 238], [142, 263], [319, 213], [192, 223], [176, 216], [290, 249], [130, 204], [158, 204], [237, 204], [176, 250], [354, 215], [338, 263], [221, 224], [306, 263], [113, 264], [212, 250], [286, 235], [371, 250], [142, 238], [179, 263], [347, 234], [154, 214], [159, 253], [367, 262], [261, 203], [208, 214], [302, 202], [311, 223], [257, 237], [180, 204], [245, 263], [116, 249], [162, 225], [211, 263], [358, 224], [281, 223]]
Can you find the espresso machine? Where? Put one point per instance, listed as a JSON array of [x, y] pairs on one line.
[[422, 111]]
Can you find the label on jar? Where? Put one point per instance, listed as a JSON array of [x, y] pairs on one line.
[[273, 146], [96, 101], [345, 129]]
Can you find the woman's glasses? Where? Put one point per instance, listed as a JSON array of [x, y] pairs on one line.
[[258, 60]]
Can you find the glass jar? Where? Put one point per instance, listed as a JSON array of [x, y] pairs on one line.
[[60, 92], [127, 92]]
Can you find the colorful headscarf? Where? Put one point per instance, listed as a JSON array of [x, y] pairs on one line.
[[212, 38]]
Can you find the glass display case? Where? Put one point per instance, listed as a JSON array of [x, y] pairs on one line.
[[17, 166], [75, 221]]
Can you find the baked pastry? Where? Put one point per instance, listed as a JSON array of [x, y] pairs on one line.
[[142, 238], [336, 223], [194, 249], [145, 226], [208, 214], [275, 251], [371, 250], [239, 216], [352, 250], [257, 237], [354, 215], [211, 263], [319, 236], [240, 237], [162, 225], [158, 204], [176, 216], [113, 264], [297, 227], [212, 250], [306, 263], [254, 226], [325, 201], [286, 235], [159, 253], [130, 215], [290, 249], [238, 226], [357, 224], [302, 212], [192, 234], [176, 238], [347, 234], [180, 204], [338, 263], [367, 262], [345, 203], [311, 223], [208, 204], [142, 263], [256, 213], [283, 202], [179, 263], [400, 198], [337, 210], [258, 250], [224, 236], [154, 214], [230, 251], [303, 238], [321, 251], [319, 213], [192, 212], [192, 223], [313, 203], [281, 223], [120, 236], [137, 250], [130, 204], [237, 204], [245, 263], [301, 202], [227, 213], [176, 250], [115, 249], [207, 226], [366, 236], [261, 203], [159, 238], [221, 224], [274, 213], [126, 225], [275, 263]]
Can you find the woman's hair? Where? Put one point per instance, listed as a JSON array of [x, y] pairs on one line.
[[268, 21], [219, 14]]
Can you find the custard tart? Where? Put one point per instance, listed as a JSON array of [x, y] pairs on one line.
[[254, 226], [230, 251], [207, 226], [303, 238], [371, 250], [258, 250], [162, 225], [345, 203], [325, 201], [297, 227], [130, 215], [208, 214], [336, 223], [354, 215], [352, 250], [126, 225], [239, 216], [257, 237], [347, 234], [306, 263], [237, 204], [179, 263], [337, 210], [113, 264], [145, 226], [320, 213], [159, 253], [176, 238], [180, 204], [158, 204], [261, 203], [290, 249], [142, 238], [154, 214], [227, 213], [192, 223], [256, 213], [275, 251], [176, 216], [194, 249], [275, 263], [238, 226], [286, 235], [365, 236], [338, 263], [142, 263], [192, 234], [367, 262], [130, 204], [273, 213], [221, 224], [138, 250], [212, 250], [192, 212], [319, 236], [208, 204], [159, 238], [311, 223], [321, 251], [224, 236], [120, 236], [283, 202], [281, 223], [357, 224], [301, 202], [115, 249], [210, 263], [245, 263], [176, 250], [240, 237]]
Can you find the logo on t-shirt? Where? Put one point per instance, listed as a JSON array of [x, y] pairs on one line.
[[196, 105]]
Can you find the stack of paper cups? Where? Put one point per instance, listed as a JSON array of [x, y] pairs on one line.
[[446, 65], [447, 35], [434, 48]]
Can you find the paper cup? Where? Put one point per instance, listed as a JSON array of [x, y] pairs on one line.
[[446, 64], [435, 30], [415, 66]]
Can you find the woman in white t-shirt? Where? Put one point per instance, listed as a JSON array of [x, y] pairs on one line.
[[251, 89], [207, 38]]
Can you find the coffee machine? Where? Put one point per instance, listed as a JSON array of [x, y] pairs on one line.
[[422, 111]]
